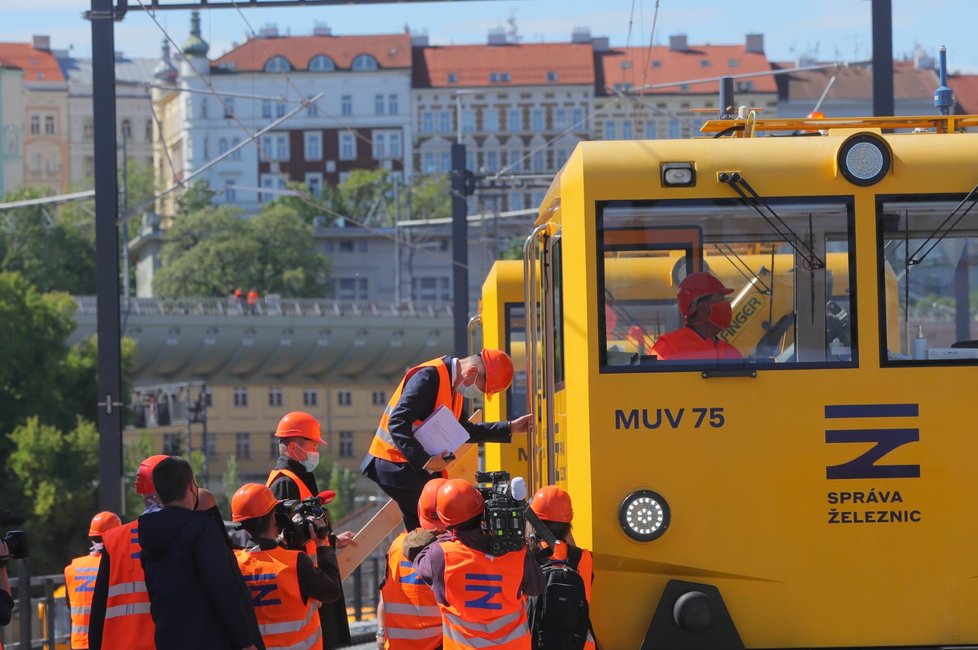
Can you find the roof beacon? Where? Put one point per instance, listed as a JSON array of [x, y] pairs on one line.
[[944, 96]]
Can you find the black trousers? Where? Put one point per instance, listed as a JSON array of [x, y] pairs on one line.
[[407, 500]]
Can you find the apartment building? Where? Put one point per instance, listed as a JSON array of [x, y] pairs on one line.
[[11, 128]]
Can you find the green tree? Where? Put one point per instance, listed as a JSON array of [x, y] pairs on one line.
[[287, 262], [367, 191], [55, 470], [431, 198], [196, 197], [134, 454]]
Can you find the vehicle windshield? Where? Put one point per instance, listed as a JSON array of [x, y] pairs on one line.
[[784, 313]]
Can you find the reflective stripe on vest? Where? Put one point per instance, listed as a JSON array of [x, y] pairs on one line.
[[80, 586], [128, 623], [304, 493], [412, 618], [484, 605], [285, 621], [383, 445]]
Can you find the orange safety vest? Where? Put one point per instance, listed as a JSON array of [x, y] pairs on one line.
[[585, 568], [412, 619], [485, 606], [383, 444], [80, 584], [128, 623], [285, 621], [304, 493]]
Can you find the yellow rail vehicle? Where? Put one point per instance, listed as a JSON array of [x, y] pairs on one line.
[[819, 492]]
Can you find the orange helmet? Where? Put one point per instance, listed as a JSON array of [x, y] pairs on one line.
[[550, 503], [102, 522], [252, 500], [428, 505], [499, 370], [144, 475], [695, 286], [300, 424], [458, 501]]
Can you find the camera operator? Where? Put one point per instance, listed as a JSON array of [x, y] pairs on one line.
[[6, 599], [285, 584], [480, 595]]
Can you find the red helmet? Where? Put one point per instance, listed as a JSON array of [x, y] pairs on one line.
[[458, 501], [552, 504], [300, 424], [695, 286], [144, 475], [428, 505], [499, 370], [103, 522], [252, 500]]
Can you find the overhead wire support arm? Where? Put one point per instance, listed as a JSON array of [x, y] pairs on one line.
[[934, 239], [751, 198]]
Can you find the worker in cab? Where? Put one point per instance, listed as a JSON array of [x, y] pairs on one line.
[[396, 460], [287, 586], [559, 616], [480, 595], [299, 438], [408, 617], [706, 312], [80, 578], [120, 603]]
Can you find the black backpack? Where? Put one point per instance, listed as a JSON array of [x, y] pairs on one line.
[[559, 617]]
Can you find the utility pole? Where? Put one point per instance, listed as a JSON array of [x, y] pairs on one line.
[[460, 252], [882, 58], [107, 256]]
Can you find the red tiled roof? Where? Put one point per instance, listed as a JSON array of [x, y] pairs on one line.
[[529, 64], [38, 65], [390, 50], [640, 66], [965, 87]]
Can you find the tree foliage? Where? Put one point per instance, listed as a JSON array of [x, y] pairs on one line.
[[212, 251], [431, 198]]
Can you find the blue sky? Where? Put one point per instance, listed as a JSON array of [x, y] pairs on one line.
[[830, 29]]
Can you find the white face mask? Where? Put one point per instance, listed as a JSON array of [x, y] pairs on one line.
[[471, 391], [311, 461]]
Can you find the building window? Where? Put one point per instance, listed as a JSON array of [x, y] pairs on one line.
[[346, 444], [627, 132], [610, 130], [551, 76], [430, 289], [313, 145], [379, 398], [35, 125], [445, 161], [444, 122], [203, 108], [704, 63], [490, 119], [577, 115], [314, 181], [229, 194], [266, 109], [468, 121], [273, 444], [240, 396], [453, 77], [222, 146], [365, 62], [539, 161], [427, 122], [378, 104], [428, 162], [310, 397], [537, 121], [229, 107], [275, 396], [88, 128], [492, 161], [560, 118], [277, 64], [346, 105], [344, 398], [211, 446], [312, 110], [515, 200], [242, 446], [237, 152], [49, 125], [673, 128], [275, 147], [171, 444], [279, 109], [350, 289], [514, 119], [499, 77], [321, 63], [348, 146], [271, 181]]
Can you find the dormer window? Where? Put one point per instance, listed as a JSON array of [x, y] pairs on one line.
[[499, 77], [551, 76], [321, 63], [452, 78], [732, 63], [656, 64], [277, 64], [364, 62], [704, 63]]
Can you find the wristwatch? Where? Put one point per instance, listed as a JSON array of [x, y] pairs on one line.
[[380, 633]]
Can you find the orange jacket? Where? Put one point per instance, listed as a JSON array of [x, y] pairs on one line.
[[485, 606], [383, 445], [80, 585], [304, 493], [284, 619], [685, 343], [412, 619], [128, 623]]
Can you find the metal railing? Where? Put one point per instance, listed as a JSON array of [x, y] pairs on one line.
[[272, 306]]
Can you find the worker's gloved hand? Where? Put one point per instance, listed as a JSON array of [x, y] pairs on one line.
[[416, 540]]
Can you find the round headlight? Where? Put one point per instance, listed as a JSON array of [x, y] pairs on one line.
[[644, 515], [864, 160]]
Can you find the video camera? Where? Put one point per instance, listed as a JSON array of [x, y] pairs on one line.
[[16, 540], [293, 516], [506, 513]]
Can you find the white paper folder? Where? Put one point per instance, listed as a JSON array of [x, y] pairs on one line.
[[441, 433]]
